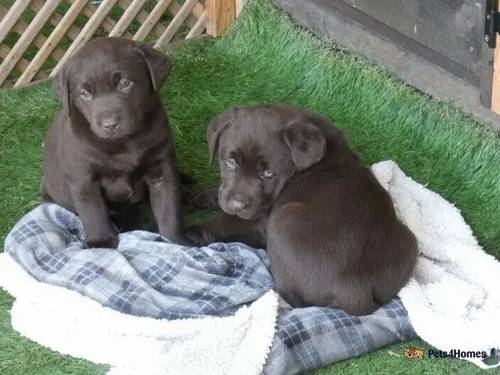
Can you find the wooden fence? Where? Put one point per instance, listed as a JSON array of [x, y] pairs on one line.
[[37, 37]]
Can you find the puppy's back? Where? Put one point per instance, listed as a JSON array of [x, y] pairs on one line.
[[334, 237]]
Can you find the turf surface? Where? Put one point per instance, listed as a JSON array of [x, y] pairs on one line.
[[264, 58]]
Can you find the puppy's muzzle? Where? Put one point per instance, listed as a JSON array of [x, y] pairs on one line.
[[238, 205], [109, 121]]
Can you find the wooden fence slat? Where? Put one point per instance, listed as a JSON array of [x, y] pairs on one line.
[[54, 20], [21, 64], [10, 19], [26, 38], [51, 42], [124, 4], [193, 16], [127, 18], [39, 40], [19, 28], [198, 10], [198, 27], [176, 23], [107, 24], [88, 30], [158, 29], [152, 20], [221, 14], [173, 9]]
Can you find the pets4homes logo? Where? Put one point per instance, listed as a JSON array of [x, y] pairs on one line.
[[418, 353]]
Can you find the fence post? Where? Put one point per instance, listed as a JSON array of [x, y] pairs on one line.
[[221, 14], [495, 89]]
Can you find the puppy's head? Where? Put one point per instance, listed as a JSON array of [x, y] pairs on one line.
[[113, 83], [259, 149]]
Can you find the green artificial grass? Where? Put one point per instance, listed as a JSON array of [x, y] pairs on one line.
[[264, 58]]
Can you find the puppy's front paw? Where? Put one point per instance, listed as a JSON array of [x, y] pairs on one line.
[[104, 243], [197, 236], [207, 200], [181, 240], [176, 237]]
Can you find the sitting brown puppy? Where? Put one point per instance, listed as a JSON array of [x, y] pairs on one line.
[[111, 140], [291, 183]]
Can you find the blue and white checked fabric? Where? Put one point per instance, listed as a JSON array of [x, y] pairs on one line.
[[150, 276]]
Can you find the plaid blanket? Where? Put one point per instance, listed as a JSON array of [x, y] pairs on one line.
[[150, 276]]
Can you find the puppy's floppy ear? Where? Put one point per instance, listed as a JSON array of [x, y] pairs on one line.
[[305, 142], [62, 90], [158, 64], [215, 128]]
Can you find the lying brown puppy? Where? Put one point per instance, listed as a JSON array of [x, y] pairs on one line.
[[291, 183], [111, 140]]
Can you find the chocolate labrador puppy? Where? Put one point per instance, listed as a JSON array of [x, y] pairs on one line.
[[291, 183], [111, 143]]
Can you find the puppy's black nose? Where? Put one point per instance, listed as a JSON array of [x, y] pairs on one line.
[[110, 122], [238, 205]]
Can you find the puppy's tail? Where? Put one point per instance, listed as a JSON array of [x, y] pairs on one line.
[[402, 249], [355, 298]]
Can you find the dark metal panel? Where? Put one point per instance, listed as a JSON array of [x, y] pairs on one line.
[[452, 28], [346, 10], [412, 62]]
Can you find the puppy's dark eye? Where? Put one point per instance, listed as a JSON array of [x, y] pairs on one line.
[[85, 95], [230, 163], [266, 173], [124, 84]]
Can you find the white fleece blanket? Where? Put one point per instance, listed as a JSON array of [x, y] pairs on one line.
[[453, 298], [453, 302], [70, 323]]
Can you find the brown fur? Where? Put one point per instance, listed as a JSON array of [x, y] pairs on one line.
[[110, 145], [291, 183]]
